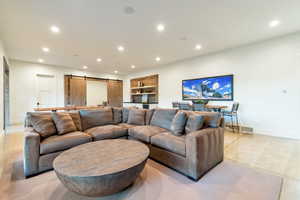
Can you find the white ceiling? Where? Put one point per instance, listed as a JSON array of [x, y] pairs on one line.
[[94, 28]]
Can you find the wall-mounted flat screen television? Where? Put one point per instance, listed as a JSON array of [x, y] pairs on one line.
[[217, 88]]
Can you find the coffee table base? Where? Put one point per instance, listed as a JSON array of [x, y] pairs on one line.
[[97, 186]]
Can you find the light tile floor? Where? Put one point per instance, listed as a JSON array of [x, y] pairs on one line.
[[277, 156]]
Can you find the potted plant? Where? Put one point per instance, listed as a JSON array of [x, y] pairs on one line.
[[201, 101]]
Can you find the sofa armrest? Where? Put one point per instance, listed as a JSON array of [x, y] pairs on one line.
[[204, 150], [31, 152]]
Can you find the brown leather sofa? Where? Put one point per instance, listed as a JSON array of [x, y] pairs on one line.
[[193, 154]]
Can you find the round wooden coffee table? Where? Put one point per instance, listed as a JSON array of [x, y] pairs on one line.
[[101, 168]]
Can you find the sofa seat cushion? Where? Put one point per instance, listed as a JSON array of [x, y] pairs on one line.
[[107, 132], [57, 143], [170, 142], [144, 133], [125, 125]]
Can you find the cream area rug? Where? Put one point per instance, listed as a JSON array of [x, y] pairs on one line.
[[227, 181]]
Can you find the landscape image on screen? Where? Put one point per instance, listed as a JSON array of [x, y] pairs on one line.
[[211, 88]]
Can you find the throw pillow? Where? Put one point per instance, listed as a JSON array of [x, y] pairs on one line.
[[178, 123], [117, 112], [125, 113], [149, 114], [76, 119], [136, 117], [194, 123], [64, 123], [163, 118], [43, 124]]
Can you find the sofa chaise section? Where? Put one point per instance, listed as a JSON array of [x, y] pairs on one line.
[[39, 153]]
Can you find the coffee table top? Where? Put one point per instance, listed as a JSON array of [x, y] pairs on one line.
[[101, 158]]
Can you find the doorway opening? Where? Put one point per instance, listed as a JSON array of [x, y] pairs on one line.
[[5, 94]]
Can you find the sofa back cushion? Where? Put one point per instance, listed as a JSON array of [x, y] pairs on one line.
[[137, 117], [76, 119], [63, 122], [99, 117], [178, 123], [163, 118], [194, 123], [42, 124], [117, 114]]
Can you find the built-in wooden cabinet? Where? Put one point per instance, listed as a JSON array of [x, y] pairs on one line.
[[144, 89], [75, 90]]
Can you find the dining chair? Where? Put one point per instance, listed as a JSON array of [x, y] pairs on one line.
[[233, 113], [199, 107], [184, 106], [175, 104]]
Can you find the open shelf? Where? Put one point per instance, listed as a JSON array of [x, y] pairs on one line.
[[144, 87], [141, 86], [143, 93]]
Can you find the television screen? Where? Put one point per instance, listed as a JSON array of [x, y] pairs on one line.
[[209, 88]]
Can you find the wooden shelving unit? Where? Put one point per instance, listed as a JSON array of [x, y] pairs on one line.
[[141, 86]]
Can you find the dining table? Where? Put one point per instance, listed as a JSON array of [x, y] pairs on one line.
[[217, 108]]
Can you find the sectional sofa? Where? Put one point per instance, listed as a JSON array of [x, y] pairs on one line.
[[190, 142]]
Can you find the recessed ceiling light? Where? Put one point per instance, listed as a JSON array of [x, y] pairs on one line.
[[132, 66], [99, 59], [116, 72], [45, 49], [85, 67], [157, 59], [128, 10], [274, 23], [160, 27], [121, 48], [41, 60], [54, 29], [198, 47]]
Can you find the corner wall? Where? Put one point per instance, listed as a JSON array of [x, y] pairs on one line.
[[23, 85], [266, 83]]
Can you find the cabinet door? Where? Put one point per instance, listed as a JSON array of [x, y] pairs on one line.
[[76, 95], [115, 93]]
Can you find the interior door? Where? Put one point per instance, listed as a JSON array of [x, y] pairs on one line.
[[77, 96], [46, 91], [115, 93]]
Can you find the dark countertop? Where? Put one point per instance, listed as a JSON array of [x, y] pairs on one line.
[[141, 102]]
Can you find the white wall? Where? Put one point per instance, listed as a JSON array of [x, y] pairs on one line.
[[96, 92], [23, 85], [266, 83]]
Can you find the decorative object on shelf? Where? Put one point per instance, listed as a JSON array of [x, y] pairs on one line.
[[140, 84], [145, 98]]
